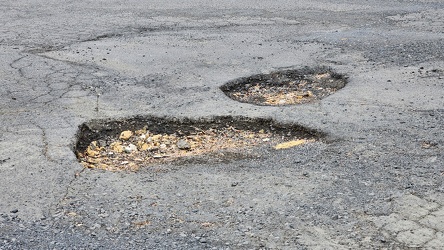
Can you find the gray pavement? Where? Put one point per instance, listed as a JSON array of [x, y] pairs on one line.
[[375, 182]]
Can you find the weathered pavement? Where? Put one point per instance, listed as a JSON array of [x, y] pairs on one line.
[[377, 183]]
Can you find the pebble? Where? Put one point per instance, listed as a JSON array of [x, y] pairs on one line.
[[183, 145], [101, 143], [130, 148], [125, 135], [156, 137]]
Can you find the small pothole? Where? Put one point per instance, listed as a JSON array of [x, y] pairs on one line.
[[139, 142], [287, 87]]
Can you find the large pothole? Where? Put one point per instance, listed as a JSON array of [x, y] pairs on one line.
[[286, 87], [140, 142]]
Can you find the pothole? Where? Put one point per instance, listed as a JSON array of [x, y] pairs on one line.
[[288, 87], [139, 142]]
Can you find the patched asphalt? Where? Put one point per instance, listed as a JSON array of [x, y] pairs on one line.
[[374, 181]]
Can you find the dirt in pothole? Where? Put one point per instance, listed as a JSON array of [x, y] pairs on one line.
[[285, 87], [134, 149]]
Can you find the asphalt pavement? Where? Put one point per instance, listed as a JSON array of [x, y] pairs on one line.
[[374, 181]]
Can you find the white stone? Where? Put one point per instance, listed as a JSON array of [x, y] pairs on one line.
[[130, 148]]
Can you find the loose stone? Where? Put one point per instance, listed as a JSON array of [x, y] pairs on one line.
[[130, 148], [125, 135], [183, 145]]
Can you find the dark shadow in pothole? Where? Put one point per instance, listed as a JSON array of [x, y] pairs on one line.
[[287, 87], [106, 144]]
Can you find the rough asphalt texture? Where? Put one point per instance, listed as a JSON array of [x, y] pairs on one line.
[[376, 181]]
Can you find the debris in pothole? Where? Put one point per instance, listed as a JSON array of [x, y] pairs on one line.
[[134, 149], [286, 87], [428, 144], [125, 135], [291, 144], [141, 224], [183, 144], [130, 148]]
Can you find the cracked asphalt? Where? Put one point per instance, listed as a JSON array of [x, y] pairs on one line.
[[375, 182]]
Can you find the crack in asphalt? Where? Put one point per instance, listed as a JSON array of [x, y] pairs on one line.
[[77, 175], [143, 31], [45, 144], [5, 160], [50, 90]]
